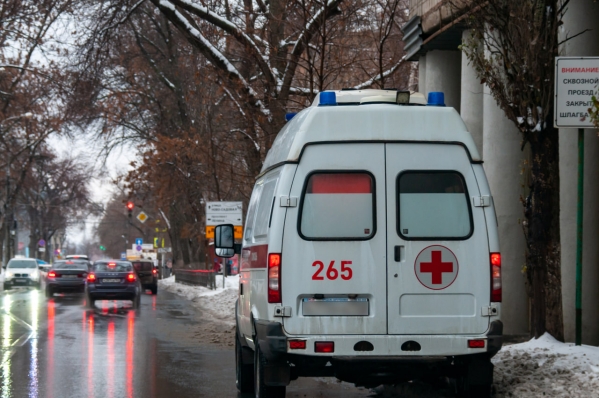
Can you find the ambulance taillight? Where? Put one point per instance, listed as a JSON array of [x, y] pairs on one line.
[[496, 277], [274, 278]]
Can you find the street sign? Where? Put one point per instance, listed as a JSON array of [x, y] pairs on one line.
[[21, 245], [224, 213], [147, 246], [238, 231], [41, 249], [165, 249], [576, 81], [41, 243], [138, 248], [142, 217], [139, 241], [124, 256]]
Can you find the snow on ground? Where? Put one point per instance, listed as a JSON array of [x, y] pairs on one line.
[[217, 306], [541, 367], [547, 368]]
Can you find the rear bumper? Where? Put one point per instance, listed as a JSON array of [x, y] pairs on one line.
[[274, 345], [128, 293]]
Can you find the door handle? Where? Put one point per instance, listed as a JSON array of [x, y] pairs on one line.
[[241, 289], [400, 253]]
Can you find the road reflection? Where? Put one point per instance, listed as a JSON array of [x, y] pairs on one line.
[[33, 362], [6, 347], [50, 358]]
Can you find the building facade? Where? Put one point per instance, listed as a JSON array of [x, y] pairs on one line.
[[432, 37]]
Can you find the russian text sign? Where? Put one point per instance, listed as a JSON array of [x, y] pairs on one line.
[[576, 81], [224, 213]]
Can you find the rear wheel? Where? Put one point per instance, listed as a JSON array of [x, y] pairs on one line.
[[49, 292], [91, 303], [261, 390], [136, 302], [476, 381], [244, 373], [154, 289]]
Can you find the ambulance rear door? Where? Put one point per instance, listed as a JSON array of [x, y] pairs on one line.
[[333, 265], [439, 265]]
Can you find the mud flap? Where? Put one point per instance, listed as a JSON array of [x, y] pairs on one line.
[[273, 345]]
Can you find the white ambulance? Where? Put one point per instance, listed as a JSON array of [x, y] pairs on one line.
[[370, 250]]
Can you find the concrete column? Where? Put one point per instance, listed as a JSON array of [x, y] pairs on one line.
[[471, 104], [442, 72], [580, 16], [422, 74], [503, 165]]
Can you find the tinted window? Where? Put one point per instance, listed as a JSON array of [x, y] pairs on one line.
[[22, 264], [338, 206], [249, 222], [433, 205], [143, 266], [264, 208], [113, 267], [69, 265]]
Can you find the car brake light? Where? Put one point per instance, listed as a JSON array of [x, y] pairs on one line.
[[274, 278], [111, 265], [91, 278], [496, 277], [476, 343], [131, 278], [155, 271], [51, 274], [324, 346], [297, 344]]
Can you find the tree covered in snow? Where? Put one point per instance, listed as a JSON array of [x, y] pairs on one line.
[[513, 47]]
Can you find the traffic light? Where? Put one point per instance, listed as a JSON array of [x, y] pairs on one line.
[[102, 247], [130, 206]]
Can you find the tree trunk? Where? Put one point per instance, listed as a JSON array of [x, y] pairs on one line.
[[543, 235]]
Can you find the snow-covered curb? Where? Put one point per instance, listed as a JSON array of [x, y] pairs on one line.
[[546, 367], [218, 304]]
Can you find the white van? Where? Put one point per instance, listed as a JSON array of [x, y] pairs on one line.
[[370, 250]]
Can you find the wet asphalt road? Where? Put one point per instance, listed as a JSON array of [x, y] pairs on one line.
[[58, 348]]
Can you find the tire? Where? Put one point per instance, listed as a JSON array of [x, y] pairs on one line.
[[261, 390], [39, 285], [6, 287], [49, 292], [468, 384], [244, 374], [136, 302], [154, 289], [91, 303]]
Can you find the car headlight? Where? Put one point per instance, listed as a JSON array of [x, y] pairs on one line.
[[35, 276], [9, 274]]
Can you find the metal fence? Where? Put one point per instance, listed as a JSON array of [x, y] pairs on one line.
[[195, 277]]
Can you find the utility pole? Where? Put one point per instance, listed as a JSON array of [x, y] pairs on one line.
[[6, 225]]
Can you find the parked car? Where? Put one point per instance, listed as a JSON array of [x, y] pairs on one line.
[[22, 272], [112, 280], [147, 273], [66, 276]]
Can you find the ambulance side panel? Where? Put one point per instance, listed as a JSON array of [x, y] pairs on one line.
[[263, 234]]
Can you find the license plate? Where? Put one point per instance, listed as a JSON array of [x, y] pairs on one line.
[[111, 280], [69, 276], [20, 280]]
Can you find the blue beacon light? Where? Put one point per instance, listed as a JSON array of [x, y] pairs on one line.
[[327, 98], [436, 98]]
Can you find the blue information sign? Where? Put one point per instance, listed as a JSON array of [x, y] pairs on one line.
[[139, 241]]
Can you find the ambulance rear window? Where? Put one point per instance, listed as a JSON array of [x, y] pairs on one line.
[[338, 206], [433, 205]]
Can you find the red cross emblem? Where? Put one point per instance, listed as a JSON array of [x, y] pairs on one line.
[[436, 267]]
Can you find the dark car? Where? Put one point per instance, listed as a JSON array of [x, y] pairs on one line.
[[66, 276], [113, 280], [147, 273]]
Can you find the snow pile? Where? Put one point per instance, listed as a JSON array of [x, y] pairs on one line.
[[546, 368], [219, 304]]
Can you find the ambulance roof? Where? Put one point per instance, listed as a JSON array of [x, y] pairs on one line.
[[368, 118]]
